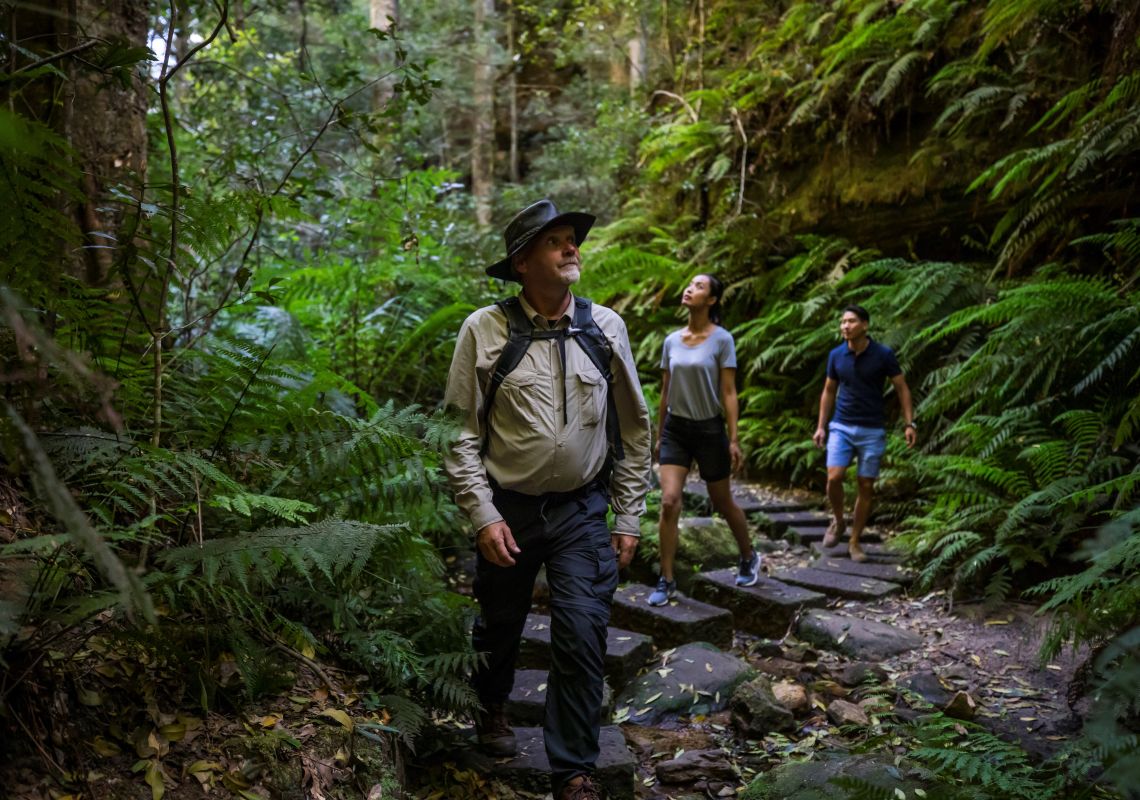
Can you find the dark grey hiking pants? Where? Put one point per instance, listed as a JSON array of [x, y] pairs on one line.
[[568, 533]]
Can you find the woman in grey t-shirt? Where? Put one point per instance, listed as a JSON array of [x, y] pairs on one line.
[[697, 422]]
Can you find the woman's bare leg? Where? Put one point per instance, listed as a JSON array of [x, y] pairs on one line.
[[672, 479]]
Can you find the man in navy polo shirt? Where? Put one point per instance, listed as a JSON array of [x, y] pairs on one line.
[[856, 371]]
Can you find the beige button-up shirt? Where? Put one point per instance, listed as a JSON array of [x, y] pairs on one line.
[[548, 427]]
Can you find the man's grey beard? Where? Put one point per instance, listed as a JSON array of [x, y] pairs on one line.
[[572, 276]]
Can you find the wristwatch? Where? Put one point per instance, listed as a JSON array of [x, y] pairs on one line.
[[911, 425]]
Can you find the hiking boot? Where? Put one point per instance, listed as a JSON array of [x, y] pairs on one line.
[[496, 736], [856, 552], [748, 573], [834, 531], [579, 788], [665, 589]]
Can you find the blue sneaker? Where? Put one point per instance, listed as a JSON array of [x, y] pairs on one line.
[[665, 589], [749, 571]]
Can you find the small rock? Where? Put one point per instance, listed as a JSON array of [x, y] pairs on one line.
[[841, 712], [780, 667], [766, 648], [859, 672], [927, 686], [800, 652], [756, 712], [957, 672], [961, 706], [791, 696], [827, 687], [696, 765]]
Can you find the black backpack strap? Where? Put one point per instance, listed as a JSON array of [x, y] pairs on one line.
[[597, 348], [519, 333]]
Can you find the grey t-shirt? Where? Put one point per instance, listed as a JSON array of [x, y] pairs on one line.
[[694, 373]]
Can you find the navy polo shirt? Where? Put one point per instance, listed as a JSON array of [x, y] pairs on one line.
[[861, 377]]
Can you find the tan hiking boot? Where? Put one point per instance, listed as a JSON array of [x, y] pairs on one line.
[[496, 736], [834, 531], [579, 788], [856, 552]]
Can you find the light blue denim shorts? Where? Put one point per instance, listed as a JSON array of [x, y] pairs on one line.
[[844, 442]]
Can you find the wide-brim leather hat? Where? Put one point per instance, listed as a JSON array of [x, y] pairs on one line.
[[530, 222]]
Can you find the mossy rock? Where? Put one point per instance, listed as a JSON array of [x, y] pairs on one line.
[[812, 780], [704, 543]]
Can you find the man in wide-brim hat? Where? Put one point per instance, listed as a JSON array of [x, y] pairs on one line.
[[554, 431]]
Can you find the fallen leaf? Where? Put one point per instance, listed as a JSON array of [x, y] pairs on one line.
[[90, 697], [154, 780], [269, 720], [654, 697], [174, 732], [336, 714], [104, 747]]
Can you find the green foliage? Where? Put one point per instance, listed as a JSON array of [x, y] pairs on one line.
[[227, 463]]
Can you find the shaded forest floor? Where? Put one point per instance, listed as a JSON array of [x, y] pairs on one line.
[[124, 728]]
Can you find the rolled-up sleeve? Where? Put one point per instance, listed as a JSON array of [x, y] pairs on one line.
[[630, 480], [463, 464]]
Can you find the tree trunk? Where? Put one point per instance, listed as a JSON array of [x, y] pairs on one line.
[[636, 48], [482, 140], [382, 15], [103, 121]]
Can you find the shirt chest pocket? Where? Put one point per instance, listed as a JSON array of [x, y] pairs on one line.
[[590, 388], [523, 403]]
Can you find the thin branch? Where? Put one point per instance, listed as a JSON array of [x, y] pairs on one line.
[[308, 662], [175, 196], [57, 56], [743, 157], [692, 112]]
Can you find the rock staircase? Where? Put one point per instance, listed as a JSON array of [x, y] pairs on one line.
[[790, 600]]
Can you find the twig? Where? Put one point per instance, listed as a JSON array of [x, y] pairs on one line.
[[308, 662], [743, 157], [57, 56], [682, 101], [175, 196]]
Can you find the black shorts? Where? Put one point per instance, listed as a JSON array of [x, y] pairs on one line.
[[702, 440]]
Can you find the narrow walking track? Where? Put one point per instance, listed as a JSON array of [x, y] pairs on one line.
[[724, 682]]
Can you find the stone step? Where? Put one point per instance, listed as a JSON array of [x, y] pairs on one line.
[[752, 502], [858, 638], [837, 584], [527, 703], [626, 651], [807, 533], [766, 609], [780, 520], [867, 569], [756, 505], [530, 769], [680, 621], [876, 553]]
